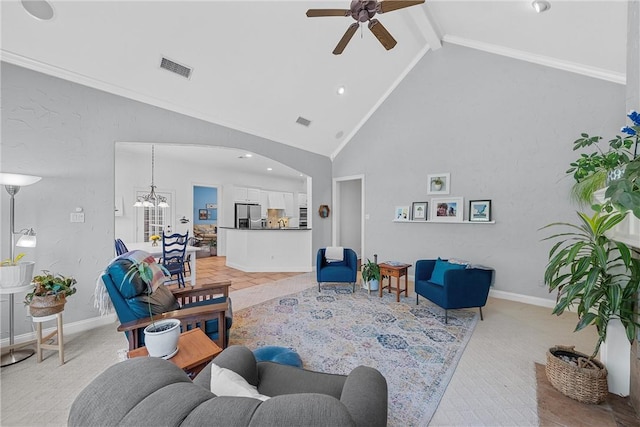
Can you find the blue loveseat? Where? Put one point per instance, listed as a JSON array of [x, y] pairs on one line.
[[452, 285]]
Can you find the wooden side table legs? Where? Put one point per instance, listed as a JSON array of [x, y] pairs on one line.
[[41, 341]]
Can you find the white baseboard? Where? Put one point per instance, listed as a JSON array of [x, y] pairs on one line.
[[69, 328], [526, 299]]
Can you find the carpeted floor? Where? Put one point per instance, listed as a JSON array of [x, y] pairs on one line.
[[336, 330]]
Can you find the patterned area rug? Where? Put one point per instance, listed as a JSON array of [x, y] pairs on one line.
[[334, 331]]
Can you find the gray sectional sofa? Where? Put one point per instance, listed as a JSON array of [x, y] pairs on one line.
[[154, 392]]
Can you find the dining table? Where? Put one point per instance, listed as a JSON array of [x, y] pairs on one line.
[[156, 252]]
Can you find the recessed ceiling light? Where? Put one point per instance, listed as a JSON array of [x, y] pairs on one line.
[[248, 155], [541, 5], [269, 169], [39, 9], [341, 90], [339, 134]]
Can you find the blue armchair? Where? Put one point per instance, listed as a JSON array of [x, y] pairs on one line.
[[200, 306], [452, 286], [345, 271]]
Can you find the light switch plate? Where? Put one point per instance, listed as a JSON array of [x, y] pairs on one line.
[[77, 217]]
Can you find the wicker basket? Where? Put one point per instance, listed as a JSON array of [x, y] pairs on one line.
[[586, 383], [41, 306]]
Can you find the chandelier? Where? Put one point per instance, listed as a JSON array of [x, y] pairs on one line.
[[152, 200]]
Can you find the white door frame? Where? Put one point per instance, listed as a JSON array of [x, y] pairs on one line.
[[336, 208]]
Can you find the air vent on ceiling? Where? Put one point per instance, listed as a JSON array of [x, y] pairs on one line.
[[302, 121], [176, 68]]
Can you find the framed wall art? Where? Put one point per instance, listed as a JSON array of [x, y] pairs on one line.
[[447, 209], [439, 183], [480, 210], [402, 213], [203, 214], [419, 211]]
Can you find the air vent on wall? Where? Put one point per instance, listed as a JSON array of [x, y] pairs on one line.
[[302, 121], [176, 68]]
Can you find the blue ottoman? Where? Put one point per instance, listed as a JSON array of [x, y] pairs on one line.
[[282, 355]]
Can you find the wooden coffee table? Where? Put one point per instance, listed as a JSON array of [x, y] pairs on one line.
[[195, 350], [396, 271]]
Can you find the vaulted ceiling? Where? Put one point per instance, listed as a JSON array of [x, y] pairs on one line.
[[260, 65]]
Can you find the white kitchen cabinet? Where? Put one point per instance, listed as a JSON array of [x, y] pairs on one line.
[[247, 195], [264, 203], [289, 207], [302, 200]]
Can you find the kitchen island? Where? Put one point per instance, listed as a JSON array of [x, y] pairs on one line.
[[269, 249]]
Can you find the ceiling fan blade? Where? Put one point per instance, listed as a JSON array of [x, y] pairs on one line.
[[382, 34], [389, 5], [314, 13], [345, 39]]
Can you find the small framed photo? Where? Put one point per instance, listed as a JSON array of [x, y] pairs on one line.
[[447, 209], [419, 211], [203, 214], [439, 183], [480, 210], [402, 213]]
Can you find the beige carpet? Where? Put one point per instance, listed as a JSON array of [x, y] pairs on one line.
[[494, 384]]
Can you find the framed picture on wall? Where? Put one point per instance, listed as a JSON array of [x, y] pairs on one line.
[[480, 210], [402, 213], [439, 183], [212, 206], [419, 211], [447, 209], [203, 214]]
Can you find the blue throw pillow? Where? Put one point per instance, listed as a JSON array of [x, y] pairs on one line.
[[132, 286], [440, 268]]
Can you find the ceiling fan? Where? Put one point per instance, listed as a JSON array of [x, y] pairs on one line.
[[363, 11]]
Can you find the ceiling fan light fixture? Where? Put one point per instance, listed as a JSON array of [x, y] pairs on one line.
[[541, 6]]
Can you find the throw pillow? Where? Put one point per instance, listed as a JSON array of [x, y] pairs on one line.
[[225, 382], [160, 301], [440, 268], [133, 285]]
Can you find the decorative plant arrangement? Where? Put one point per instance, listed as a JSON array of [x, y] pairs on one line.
[[593, 274], [618, 164], [161, 337], [13, 262], [371, 275], [49, 293], [154, 239]]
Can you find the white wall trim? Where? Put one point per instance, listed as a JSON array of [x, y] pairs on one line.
[[547, 61], [68, 328], [526, 299]]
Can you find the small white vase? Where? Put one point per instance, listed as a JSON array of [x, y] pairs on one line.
[[13, 276], [161, 338]]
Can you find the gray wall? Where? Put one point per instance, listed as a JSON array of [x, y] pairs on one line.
[[504, 130], [66, 133]]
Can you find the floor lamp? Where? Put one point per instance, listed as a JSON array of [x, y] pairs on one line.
[[12, 183]]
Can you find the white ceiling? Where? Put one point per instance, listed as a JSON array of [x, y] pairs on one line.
[[258, 65]]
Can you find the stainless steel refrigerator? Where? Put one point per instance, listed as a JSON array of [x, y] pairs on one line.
[[248, 216]]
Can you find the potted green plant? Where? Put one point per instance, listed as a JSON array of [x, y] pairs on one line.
[[15, 273], [594, 171], [49, 294], [370, 275], [161, 336], [437, 183], [597, 277]]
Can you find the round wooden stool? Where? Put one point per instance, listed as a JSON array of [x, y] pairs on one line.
[[40, 340]]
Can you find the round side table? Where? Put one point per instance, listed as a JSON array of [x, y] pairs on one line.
[[14, 356]]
